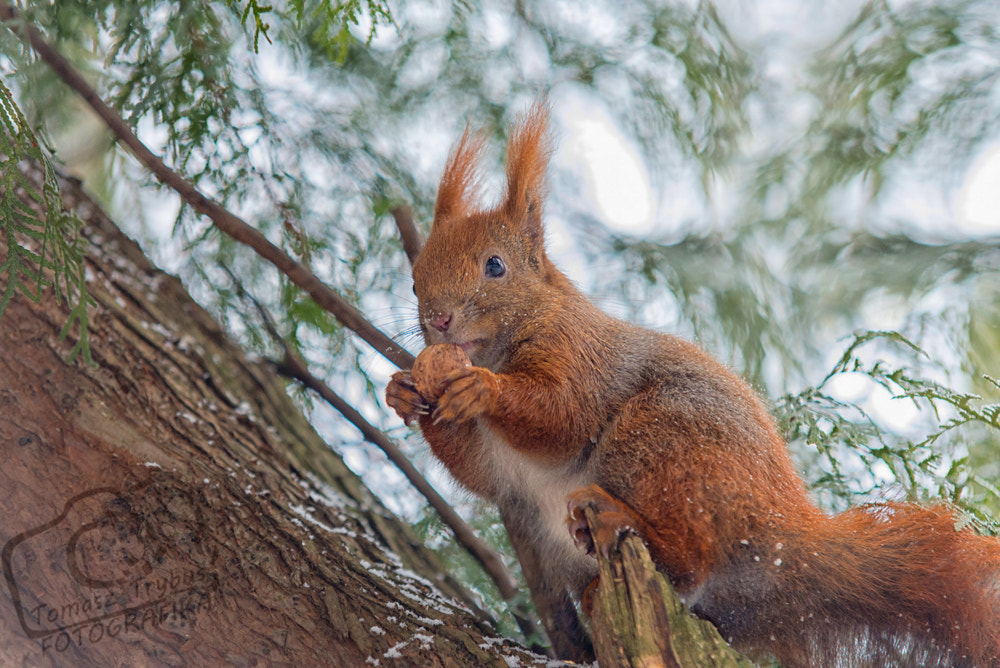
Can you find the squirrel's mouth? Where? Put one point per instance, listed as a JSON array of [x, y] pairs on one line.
[[469, 346]]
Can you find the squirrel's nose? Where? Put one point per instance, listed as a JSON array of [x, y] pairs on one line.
[[441, 321]]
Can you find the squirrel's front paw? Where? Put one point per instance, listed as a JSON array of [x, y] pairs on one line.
[[466, 394], [402, 396], [613, 520]]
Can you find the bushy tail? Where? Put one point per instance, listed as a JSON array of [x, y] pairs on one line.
[[915, 589]]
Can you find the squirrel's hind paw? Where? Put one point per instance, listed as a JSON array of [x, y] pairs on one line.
[[613, 520]]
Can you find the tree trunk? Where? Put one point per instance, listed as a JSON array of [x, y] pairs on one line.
[[170, 505]]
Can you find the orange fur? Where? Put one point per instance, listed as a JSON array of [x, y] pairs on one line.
[[528, 155], [458, 192], [564, 400]]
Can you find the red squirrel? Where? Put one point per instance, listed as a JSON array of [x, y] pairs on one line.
[[563, 404]]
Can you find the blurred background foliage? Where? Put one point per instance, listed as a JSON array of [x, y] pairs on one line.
[[804, 161]]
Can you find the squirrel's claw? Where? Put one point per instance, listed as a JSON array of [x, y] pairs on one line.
[[614, 519], [401, 395], [467, 393]]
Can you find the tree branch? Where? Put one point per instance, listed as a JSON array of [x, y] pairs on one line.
[[637, 619], [223, 220], [408, 232]]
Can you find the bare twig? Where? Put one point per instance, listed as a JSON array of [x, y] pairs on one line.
[[293, 367], [408, 232], [225, 221]]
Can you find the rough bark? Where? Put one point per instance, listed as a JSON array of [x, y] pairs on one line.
[[638, 622], [170, 505]]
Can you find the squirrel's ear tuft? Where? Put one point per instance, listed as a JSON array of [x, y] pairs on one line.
[[458, 193], [528, 152]]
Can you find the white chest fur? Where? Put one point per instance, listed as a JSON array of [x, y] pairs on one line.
[[543, 487]]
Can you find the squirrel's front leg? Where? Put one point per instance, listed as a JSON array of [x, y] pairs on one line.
[[534, 415], [402, 396], [467, 393]]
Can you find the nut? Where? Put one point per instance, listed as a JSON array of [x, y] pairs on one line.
[[433, 364]]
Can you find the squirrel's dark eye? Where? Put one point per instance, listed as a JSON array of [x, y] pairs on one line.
[[494, 268]]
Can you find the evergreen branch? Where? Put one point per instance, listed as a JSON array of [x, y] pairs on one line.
[[338, 17], [861, 339], [79, 314], [260, 28], [823, 423], [225, 221], [60, 247]]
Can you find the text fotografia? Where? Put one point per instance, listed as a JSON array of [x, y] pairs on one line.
[[112, 563], [177, 610], [139, 594]]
